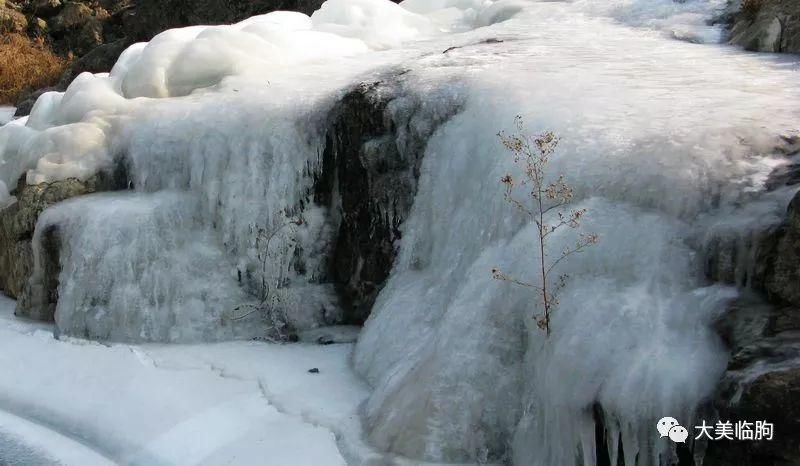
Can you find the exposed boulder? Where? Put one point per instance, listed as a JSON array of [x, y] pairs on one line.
[[767, 26], [762, 384], [100, 60], [72, 16], [27, 99], [45, 8], [762, 330], [782, 259], [88, 37], [370, 167], [17, 224], [376, 140], [150, 17]]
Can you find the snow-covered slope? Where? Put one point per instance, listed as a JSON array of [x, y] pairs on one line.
[[661, 138]]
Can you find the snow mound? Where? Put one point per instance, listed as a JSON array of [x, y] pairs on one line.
[[200, 59]]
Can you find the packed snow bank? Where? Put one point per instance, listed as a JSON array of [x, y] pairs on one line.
[[236, 403], [261, 49], [183, 61]]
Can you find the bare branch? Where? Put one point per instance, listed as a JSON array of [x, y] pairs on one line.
[[532, 154], [498, 275]]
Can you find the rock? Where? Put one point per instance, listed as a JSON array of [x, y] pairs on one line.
[[768, 26], [45, 8], [332, 335], [40, 296], [762, 381], [770, 397], [370, 166], [150, 17], [88, 37], [762, 330], [12, 21], [100, 60], [38, 28], [72, 16], [28, 98], [116, 7], [17, 224], [762, 258], [782, 264]]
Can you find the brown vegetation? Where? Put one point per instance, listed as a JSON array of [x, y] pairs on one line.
[[752, 7], [26, 64], [542, 196]]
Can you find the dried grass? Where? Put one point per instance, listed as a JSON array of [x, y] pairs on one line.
[[26, 64]]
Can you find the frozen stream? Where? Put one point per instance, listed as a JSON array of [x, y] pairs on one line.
[[6, 114], [667, 137], [79, 403]]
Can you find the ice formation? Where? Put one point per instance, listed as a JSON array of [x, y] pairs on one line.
[[221, 128]]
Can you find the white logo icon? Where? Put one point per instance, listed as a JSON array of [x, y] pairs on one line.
[[665, 424], [678, 434]]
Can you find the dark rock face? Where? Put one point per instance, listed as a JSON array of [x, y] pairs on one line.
[[762, 329], [370, 168], [17, 224], [100, 60], [40, 297], [762, 384], [767, 26], [28, 99], [149, 17], [781, 259]]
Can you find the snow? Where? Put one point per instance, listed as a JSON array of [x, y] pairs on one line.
[[6, 114], [28, 443], [222, 126], [244, 403]]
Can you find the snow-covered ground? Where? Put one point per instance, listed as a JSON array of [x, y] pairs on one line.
[[242, 403]]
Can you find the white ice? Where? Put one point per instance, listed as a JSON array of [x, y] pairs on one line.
[[87, 404], [6, 114], [662, 140]]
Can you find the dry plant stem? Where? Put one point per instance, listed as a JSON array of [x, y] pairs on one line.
[[264, 255], [532, 154]]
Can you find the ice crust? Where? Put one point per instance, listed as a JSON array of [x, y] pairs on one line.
[[664, 140]]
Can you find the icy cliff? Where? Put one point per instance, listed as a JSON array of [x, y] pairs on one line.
[[223, 131]]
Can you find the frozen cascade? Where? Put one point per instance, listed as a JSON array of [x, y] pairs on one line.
[[221, 130], [163, 297]]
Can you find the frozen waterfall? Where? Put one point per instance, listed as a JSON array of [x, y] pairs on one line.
[[666, 135]]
